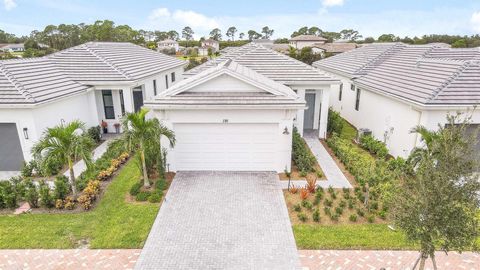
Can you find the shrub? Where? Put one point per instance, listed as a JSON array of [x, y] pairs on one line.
[[339, 210], [373, 146], [334, 217], [317, 200], [371, 218], [8, 196], [135, 189], [353, 218], [304, 193], [46, 195], [330, 190], [374, 205], [92, 189], [350, 204], [327, 211], [155, 197], [62, 188], [59, 204], [142, 196], [85, 201], [319, 194], [333, 196], [308, 205], [328, 202], [27, 169], [311, 184], [94, 133], [303, 173], [335, 122], [160, 185], [293, 189], [297, 207], [302, 217], [69, 203], [360, 212], [342, 204], [319, 174], [382, 214], [31, 194], [316, 215], [301, 154]]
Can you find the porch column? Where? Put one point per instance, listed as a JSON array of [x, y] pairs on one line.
[[300, 113], [322, 129], [128, 99]]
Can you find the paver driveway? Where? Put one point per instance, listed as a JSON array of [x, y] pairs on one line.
[[222, 220]]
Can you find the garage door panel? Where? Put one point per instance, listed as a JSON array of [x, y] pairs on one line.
[[247, 147]]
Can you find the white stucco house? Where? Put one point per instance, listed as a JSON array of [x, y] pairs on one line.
[[168, 44], [93, 82], [237, 111], [301, 41], [12, 47], [211, 43], [391, 87]]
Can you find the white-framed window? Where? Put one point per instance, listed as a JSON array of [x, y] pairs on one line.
[[352, 87], [340, 92], [172, 76], [154, 87], [357, 100]]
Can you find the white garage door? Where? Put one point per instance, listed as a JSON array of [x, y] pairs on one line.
[[226, 147]]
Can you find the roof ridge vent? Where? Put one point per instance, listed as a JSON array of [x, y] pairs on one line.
[[452, 77], [103, 59], [11, 78]]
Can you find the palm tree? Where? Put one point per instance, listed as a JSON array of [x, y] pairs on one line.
[[65, 143], [428, 137], [141, 133]]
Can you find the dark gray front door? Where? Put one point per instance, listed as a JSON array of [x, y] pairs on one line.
[[310, 112], [11, 155], [137, 100]]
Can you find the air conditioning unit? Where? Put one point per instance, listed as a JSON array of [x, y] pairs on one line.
[[363, 132]]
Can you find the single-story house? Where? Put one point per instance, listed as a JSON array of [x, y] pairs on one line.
[[302, 41], [389, 88], [12, 47], [237, 111], [205, 50], [92, 82], [168, 44]]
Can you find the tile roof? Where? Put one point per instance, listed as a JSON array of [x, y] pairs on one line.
[[68, 72], [308, 38], [336, 47], [275, 94], [271, 64], [429, 74]]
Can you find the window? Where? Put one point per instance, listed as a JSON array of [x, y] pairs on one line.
[[154, 87], [357, 100], [166, 81], [122, 102], [173, 76], [108, 104], [340, 92], [352, 87]]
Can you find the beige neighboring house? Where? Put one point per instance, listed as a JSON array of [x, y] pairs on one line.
[[211, 43], [302, 41], [168, 44], [333, 48]]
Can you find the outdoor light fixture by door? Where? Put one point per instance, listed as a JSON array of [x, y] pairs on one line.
[[25, 133], [285, 131]]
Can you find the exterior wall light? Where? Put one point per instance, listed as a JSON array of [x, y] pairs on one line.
[[285, 131], [25, 133]]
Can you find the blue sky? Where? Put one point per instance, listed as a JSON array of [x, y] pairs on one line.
[[370, 17]]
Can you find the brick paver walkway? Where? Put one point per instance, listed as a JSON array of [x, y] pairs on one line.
[[310, 259], [377, 259], [54, 259], [222, 220]]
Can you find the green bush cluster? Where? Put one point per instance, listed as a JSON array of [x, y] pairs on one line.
[[335, 122], [154, 196], [95, 133], [374, 146], [301, 154]]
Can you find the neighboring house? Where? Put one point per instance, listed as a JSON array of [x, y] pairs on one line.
[[302, 41], [390, 88], [282, 48], [237, 111], [92, 82], [205, 50], [12, 47], [211, 43], [333, 48], [168, 44]]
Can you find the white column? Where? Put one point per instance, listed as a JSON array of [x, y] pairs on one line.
[[322, 129], [301, 113], [128, 99]]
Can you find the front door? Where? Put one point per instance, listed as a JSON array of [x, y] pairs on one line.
[[137, 100], [309, 115], [11, 155]]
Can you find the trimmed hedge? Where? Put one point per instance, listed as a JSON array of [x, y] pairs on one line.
[[301, 154], [373, 146]]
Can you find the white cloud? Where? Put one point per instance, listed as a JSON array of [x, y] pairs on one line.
[[331, 3], [475, 20], [9, 4], [162, 17]]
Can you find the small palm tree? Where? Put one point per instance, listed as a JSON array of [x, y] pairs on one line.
[[141, 133], [65, 143], [428, 137]]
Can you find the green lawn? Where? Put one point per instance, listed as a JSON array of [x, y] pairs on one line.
[[114, 223], [360, 236]]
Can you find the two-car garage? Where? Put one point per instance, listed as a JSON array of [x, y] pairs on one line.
[[11, 155]]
